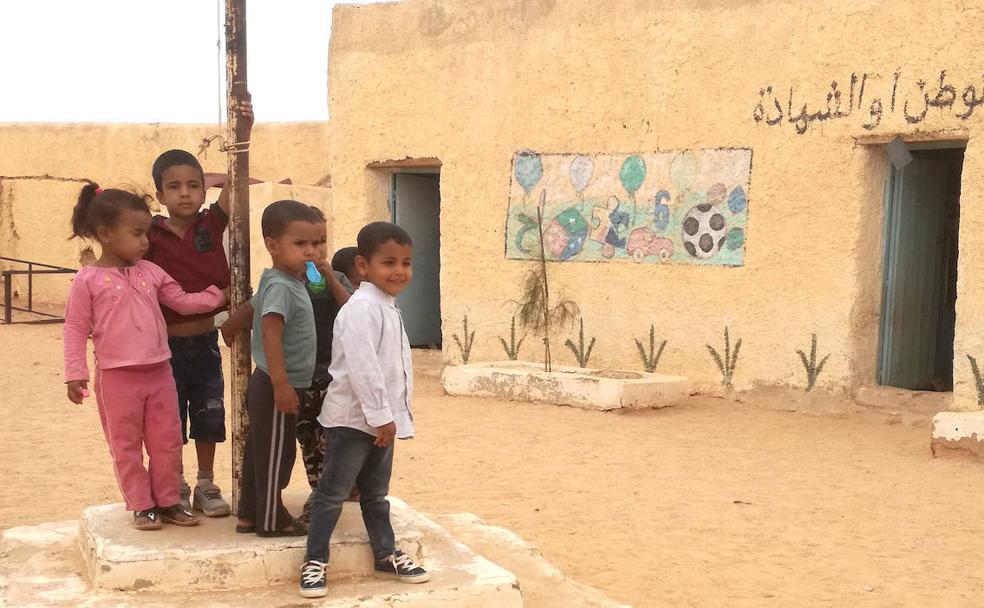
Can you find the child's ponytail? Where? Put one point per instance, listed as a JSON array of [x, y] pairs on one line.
[[81, 226], [97, 207]]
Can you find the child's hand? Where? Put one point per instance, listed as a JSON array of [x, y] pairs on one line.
[[228, 336], [385, 434], [77, 390], [245, 109], [285, 399], [226, 293], [324, 267]]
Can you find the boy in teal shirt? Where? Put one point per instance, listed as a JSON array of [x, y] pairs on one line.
[[284, 347], [326, 300]]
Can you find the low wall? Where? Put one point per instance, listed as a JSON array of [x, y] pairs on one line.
[[34, 225], [42, 166], [122, 154]]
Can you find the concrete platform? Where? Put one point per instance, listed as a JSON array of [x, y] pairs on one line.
[[585, 388], [42, 566], [544, 585], [958, 433], [212, 556]]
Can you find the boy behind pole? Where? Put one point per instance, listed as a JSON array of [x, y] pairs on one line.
[[187, 244]]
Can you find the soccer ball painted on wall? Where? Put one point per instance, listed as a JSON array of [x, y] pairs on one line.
[[684, 207], [704, 231]]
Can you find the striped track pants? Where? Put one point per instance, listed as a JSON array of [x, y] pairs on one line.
[[268, 457]]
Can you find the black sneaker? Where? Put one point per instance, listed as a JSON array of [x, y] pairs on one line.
[[313, 580], [399, 566]]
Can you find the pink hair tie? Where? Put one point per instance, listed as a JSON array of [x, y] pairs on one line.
[[99, 190]]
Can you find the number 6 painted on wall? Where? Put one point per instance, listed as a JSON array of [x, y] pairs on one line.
[[661, 212]]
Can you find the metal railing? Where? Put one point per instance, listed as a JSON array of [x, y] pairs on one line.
[[33, 268]]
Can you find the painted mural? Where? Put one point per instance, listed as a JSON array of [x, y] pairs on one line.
[[682, 207]]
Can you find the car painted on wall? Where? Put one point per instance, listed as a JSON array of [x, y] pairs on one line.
[[643, 242]]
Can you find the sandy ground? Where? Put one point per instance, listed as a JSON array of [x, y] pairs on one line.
[[713, 503]]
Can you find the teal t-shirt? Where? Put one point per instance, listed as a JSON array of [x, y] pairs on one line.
[[281, 294]]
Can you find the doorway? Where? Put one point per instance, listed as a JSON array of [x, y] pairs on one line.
[[415, 202], [922, 217]]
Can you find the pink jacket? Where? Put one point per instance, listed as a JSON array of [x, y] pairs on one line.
[[121, 308]]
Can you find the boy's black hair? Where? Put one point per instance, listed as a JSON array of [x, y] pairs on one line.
[[319, 213], [344, 259], [174, 158], [374, 235], [97, 207], [277, 215]]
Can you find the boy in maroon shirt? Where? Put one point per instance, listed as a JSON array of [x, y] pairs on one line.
[[188, 246]]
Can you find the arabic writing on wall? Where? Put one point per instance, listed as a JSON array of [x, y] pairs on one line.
[[684, 207], [871, 98]]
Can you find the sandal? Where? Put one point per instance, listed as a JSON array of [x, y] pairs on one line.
[[146, 520], [305, 517], [295, 528], [179, 516], [247, 529]]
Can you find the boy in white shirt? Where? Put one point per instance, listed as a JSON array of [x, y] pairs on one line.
[[367, 405]]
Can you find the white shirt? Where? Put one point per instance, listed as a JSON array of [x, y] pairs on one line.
[[371, 367]]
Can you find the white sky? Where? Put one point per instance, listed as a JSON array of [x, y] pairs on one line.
[[156, 60]]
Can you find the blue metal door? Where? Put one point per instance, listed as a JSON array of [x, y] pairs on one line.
[[416, 208], [919, 271]]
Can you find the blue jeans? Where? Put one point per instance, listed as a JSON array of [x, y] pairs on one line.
[[351, 458], [197, 367]]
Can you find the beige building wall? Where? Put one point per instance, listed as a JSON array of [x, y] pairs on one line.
[[473, 82]]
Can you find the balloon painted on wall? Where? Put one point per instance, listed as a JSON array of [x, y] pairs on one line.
[[528, 170], [683, 170], [737, 201], [580, 173], [735, 239], [632, 175], [717, 193]]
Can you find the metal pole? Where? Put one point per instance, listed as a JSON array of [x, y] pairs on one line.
[[7, 303], [238, 157]]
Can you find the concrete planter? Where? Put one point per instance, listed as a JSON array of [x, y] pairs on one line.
[[958, 432], [586, 388]]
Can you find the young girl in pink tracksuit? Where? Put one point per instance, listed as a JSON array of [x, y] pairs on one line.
[[117, 301]]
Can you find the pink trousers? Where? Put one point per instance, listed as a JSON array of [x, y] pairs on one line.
[[138, 407]]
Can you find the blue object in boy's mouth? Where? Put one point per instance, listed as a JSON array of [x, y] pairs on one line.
[[313, 275]]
